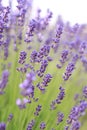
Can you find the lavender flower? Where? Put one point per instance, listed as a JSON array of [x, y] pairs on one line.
[[47, 19], [35, 66], [85, 91], [22, 69], [2, 126], [47, 78], [10, 117], [4, 81], [44, 64], [53, 105], [30, 125], [49, 58], [76, 96], [82, 107], [84, 62], [61, 95], [44, 51], [75, 125], [77, 112], [27, 90], [22, 57], [82, 47], [75, 58], [59, 98], [33, 56], [74, 114], [63, 59], [69, 70], [23, 6], [41, 88], [57, 38], [38, 109], [64, 56], [60, 117], [22, 103], [30, 31], [42, 126], [6, 46], [66, 128], [21, 16]]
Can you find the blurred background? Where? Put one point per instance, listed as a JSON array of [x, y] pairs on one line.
[[73, 11]]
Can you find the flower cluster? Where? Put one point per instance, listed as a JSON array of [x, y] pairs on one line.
[[38, 56], [76, 112], [40, 68]]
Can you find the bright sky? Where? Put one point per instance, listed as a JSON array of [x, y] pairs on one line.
[[74, 11]]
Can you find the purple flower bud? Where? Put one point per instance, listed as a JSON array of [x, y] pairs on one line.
[[10, 117], [69, 70], [22, 57], [61, 95], [66, 128], [30, 125], [75, 125], [49, 58], [82, 47], [44, 64], [33, 56], [52, 105], [47, 78], [64, 56], [42, 126], [38, 109], [60, 117]]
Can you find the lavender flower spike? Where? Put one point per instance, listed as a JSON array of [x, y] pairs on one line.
[[60, 117], [4, 81], [22, 57], [42, 126], [69, 70], [85, 91], [2, 126]]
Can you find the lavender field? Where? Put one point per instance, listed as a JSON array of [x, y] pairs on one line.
[[43, 71]]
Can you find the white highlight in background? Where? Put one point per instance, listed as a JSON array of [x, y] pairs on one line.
[[74, 11]]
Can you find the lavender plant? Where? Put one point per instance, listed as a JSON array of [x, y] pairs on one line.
[[43, 82]]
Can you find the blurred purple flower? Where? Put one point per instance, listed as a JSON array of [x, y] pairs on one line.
[[2, 126]]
